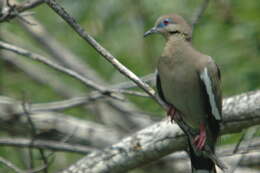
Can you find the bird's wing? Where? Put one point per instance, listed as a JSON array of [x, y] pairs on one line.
[[210, 79], [159, 88]]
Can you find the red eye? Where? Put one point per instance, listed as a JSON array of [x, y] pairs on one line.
[[166, 22]]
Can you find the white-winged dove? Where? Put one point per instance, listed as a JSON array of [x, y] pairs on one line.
[[189, 82]]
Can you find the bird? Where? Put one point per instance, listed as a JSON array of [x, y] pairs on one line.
[[190, 83]]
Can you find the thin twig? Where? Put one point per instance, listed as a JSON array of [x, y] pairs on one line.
[[247, 139], [10, 165], [76, 101], [45, 160], [149, 78], [68, 59], [13, 11], [54, 65], [33, 135], [199, 12], [93, 96], [23, 19], [16, 169], [29, 5], [66, 104], [35, 170], [101, 50], [47, 145], [58, 67], [41, 75]]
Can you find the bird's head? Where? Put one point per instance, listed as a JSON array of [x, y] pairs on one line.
[[171, 25]]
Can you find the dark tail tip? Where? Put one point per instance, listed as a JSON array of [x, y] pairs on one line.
[[200, 163]]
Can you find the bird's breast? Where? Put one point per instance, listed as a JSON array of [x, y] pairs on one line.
[[181, 87]]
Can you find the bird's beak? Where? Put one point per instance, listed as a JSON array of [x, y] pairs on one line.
[[151, 31]]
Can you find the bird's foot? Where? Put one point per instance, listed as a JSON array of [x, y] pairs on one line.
[[172, 113], [200, 140]]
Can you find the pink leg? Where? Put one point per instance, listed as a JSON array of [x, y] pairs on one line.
[[171, 113], [200, 140]]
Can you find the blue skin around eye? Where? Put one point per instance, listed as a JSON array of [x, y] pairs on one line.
[[161, 25]]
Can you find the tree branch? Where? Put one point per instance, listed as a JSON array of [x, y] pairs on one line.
[[54, 65], [11, 165], [120, 113], [46, 144], [40, 75], [51, 125], [101, 50], [74, 101], [18, 170], [180, 161], [11, 11], [199, 12], [150, 144]]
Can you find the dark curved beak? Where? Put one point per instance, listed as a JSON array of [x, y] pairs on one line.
[[151, 31]]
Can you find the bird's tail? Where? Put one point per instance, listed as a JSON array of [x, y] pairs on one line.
[[199, 162]]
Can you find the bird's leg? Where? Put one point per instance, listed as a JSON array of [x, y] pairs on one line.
[[171, 113], [200, 140]]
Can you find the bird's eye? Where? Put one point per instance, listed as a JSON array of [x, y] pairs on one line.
[[166, 21]]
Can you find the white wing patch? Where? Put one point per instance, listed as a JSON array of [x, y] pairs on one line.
[[204, 76]]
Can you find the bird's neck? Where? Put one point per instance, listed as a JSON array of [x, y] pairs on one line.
[[176, 44]]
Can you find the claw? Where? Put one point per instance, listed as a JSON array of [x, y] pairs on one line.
[[200, 140], [171, 113]]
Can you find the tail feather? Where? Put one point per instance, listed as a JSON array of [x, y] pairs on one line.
[[200, 163]]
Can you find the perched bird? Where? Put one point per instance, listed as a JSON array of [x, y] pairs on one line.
[[189, 82]]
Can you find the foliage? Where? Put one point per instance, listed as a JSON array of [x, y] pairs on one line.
[[229, 31]]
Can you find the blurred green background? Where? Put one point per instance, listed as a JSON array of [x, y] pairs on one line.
[[229, 31]]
